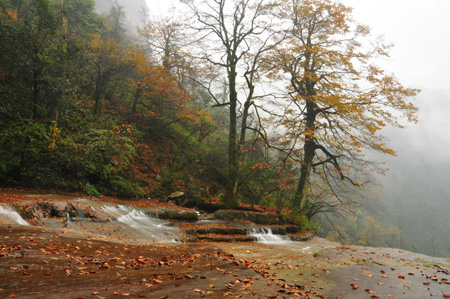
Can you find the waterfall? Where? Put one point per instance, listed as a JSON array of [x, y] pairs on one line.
[[12, 215], [266, 236], [150, 227]]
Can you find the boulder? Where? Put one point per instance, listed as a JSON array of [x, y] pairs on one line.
[[173, 214], [178, 198]]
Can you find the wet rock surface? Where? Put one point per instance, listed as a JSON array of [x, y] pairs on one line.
[[336, 271], [84, 248], [40, 263]]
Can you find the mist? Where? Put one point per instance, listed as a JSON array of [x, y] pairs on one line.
[[413, 195], [416, 187]]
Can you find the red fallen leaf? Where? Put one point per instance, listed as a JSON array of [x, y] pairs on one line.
[[374, 297], [426, 283], [447, 296], [382, 271], [47, 274], [401, 277], [410, 273], [141, 296]]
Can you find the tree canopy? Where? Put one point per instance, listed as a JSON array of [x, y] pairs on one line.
[[254, 101]]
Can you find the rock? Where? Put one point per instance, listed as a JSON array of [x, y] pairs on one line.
[[176, 194], [278, 230], [178, 198], [226, 238], [301, 236], [258, 218], [214, 228], [185, 215], [230, 215]]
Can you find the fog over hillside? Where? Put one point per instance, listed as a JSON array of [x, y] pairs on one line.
[[416, 187], [135, 11]]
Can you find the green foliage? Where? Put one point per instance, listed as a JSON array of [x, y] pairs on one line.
[[91, 190], [23, 150], [91, 112], [304, 223]]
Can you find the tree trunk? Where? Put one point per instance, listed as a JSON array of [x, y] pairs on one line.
[[305, 175], [233, 154], [309, 150]]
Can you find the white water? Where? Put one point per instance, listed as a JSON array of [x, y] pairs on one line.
[[12, 216], [150, 227], [266, 236]]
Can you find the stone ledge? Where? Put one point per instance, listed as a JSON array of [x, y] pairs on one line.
[[255, 217]]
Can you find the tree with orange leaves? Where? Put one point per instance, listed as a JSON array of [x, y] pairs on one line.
[[337, 100]]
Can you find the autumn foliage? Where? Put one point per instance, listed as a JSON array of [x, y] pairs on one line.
[[257, 102]]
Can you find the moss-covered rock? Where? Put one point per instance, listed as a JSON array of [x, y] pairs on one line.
[[258, 218], [184, 215], [229, 215]]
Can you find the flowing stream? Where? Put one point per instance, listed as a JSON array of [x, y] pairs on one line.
[[141, 224], [266, 236], [8, 215]]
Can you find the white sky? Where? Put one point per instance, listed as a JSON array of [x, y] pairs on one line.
[[420, 30]]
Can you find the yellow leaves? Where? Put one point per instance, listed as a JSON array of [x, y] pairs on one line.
[[107, 52], [13, 15]]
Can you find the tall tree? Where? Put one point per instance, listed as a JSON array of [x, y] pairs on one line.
[[235, 34], [337, 100]]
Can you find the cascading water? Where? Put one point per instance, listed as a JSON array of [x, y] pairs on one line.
[[266, 236], [147, 226], [11, 216]]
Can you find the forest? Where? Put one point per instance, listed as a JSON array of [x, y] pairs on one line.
[[238, 103]]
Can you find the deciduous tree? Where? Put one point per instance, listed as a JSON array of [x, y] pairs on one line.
[[235, 34], [338, 100]]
